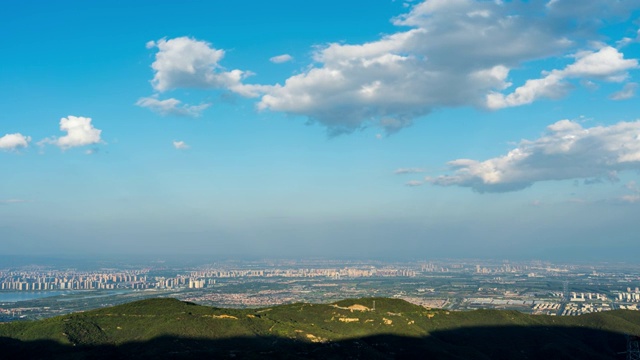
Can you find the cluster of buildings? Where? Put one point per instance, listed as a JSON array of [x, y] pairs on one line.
[[260, 299], [140, 279], [546, 308], [505, 268], [69, 280], [180, 282], [204, 278], [574, 309], [581, 297], [346, 272], [11, 313], [459, 286], [629, 295]]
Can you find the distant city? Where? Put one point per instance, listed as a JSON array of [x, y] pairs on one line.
[[535, 287]]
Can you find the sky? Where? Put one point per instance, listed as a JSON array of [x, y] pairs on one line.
[[379, 129]]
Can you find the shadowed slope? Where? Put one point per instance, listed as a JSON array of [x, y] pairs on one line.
[[171, 329]]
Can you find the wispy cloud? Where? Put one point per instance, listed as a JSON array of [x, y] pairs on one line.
[[171, 106], [413, 183], [401, 171], [281, 58], [14, 201], [627, 92], [180, 145], [634, 197]]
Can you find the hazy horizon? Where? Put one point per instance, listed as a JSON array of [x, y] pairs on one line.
[[365, 130]]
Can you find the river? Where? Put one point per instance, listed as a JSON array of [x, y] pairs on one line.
[[14, 296]]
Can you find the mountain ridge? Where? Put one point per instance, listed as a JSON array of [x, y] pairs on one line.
[[352, 328]]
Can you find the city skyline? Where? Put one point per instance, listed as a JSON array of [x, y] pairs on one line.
[[534, 287], [395, 129]]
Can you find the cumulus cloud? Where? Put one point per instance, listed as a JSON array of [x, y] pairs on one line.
[[408, 171], [171, 106], [627, 92], [565, 151], [180, 145], [14, 141], [455, 53], [184, 62], [281, 58], [80, 132], [446, 54], [606, 64]]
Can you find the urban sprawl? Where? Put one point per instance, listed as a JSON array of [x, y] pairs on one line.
[[532, 287]]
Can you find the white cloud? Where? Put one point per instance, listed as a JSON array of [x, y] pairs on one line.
[[408, 171], [566, 151], [14, 141], [457, 52], [454, 53], [184, 62], [180, 145], [171, 106], [627, 92], [281, 58], [80, 132], [606, 64]]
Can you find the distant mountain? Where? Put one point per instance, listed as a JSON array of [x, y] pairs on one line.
[[171, 329]]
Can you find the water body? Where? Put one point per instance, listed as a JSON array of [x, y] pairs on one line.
[[15, 296]]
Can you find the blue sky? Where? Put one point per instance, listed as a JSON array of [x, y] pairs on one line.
[[379, 129]]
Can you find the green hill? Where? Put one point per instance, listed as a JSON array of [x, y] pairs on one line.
[[168, 328]]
